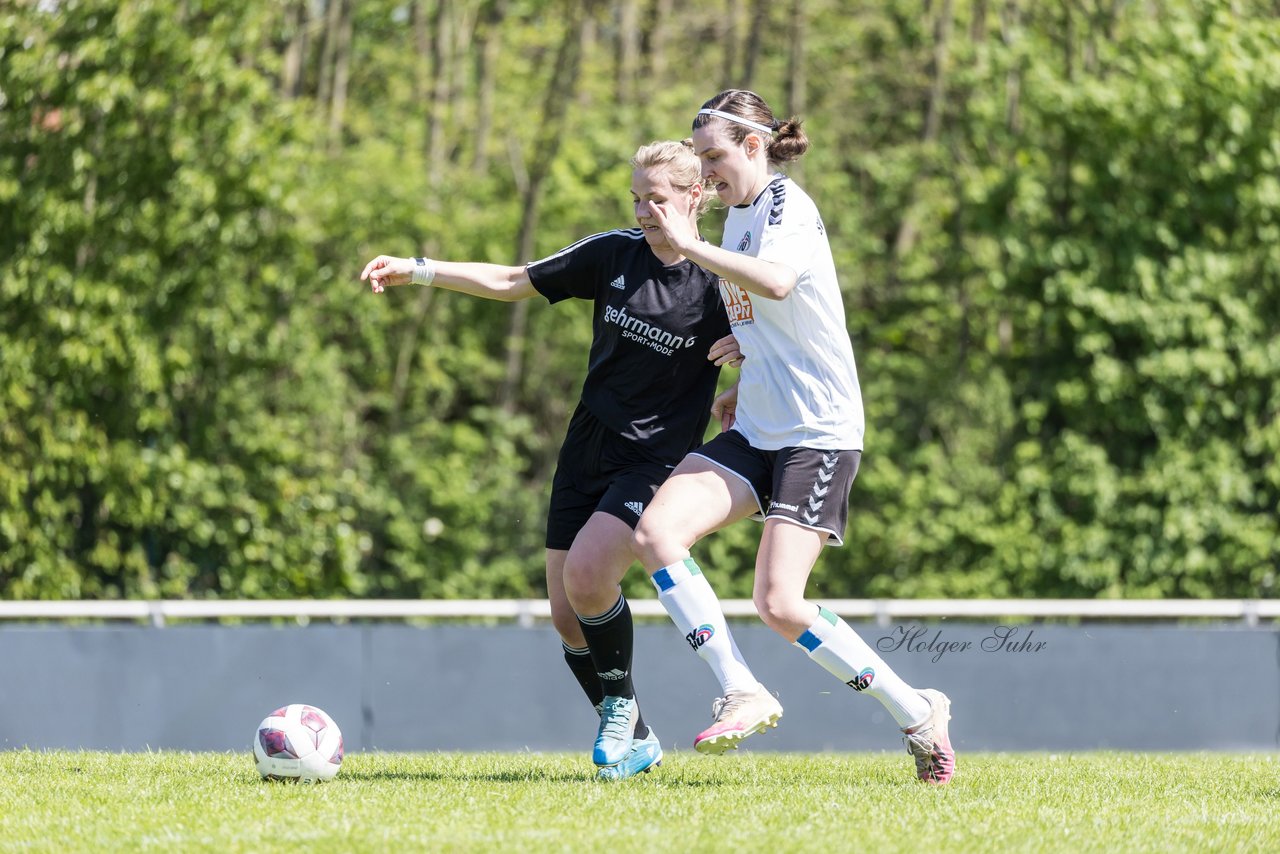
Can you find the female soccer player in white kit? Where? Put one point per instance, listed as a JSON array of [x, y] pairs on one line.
[[795, 443]]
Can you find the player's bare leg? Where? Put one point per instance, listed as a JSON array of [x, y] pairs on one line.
[[576, 654], [562, 616], [787, 555], [600, 556], [698, 498]]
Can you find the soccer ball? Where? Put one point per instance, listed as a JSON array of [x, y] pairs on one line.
[[299, 743]]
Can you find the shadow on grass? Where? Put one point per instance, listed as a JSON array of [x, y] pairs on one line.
[[522, 777]]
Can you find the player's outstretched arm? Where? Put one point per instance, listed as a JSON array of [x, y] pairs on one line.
[[490, 281]]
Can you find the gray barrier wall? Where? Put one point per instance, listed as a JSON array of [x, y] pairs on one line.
[[395, 687]]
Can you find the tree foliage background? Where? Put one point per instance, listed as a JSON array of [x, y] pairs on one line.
[[1058, 227]]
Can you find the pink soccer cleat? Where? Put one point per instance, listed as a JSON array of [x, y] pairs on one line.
[[930, 743], [737, 716]]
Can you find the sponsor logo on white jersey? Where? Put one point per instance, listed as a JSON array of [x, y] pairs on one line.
[[619, 283], [737, 304], [635, 507], [646, 333]]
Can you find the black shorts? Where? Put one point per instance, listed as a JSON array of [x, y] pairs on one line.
[[598, 470], [803, 485]]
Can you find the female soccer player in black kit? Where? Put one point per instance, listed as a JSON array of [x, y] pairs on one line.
[[660, 336]]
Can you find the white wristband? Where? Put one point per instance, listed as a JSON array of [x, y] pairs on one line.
[[424, 271]]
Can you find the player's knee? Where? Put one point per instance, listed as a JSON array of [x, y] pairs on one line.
[[651, 538], [578, 578], [566, 624], [589, 584], [642, 539], [778, 611]]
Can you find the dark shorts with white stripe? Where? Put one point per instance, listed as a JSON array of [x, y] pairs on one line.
[[803, 485], [598, 470]]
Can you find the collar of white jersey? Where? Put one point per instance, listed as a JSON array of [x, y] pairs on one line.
[[777, 176]]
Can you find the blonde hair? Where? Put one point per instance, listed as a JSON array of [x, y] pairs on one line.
[[677, 161]]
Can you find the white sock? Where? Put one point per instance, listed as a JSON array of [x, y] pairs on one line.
[[694, 608], [831, 643]]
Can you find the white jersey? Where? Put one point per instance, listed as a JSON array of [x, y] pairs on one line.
[[799, 383]]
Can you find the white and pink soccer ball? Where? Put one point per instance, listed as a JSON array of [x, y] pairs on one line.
[[299, 743]]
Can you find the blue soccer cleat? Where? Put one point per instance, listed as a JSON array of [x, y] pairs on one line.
[[617, 726], [645, 755]]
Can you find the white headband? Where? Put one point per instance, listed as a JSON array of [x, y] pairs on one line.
[[739, 119]]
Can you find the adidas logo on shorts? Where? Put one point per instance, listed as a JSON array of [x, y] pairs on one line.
[[618, 283], [635, 507]]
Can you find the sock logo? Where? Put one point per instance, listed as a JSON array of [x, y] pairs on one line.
[[699, 636], [613, 675], [863, 680]]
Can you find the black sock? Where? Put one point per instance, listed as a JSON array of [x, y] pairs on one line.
[[611, 639], [584, 670]]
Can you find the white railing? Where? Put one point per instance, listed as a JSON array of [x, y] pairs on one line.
[[527, 612]]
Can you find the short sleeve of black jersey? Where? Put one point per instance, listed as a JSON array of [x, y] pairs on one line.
[[575, 271]]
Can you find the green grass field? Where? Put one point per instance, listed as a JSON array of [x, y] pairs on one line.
[[66, 801]]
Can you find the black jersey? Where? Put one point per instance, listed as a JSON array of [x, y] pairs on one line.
[[648, 377]]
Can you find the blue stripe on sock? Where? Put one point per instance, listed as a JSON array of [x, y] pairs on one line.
[[809, 640], [662, 580]]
